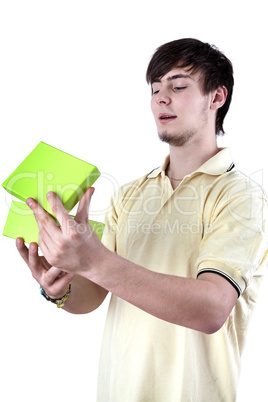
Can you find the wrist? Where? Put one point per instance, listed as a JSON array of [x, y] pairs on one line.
[[58, 301], [97, 266], [56, 296], [106, 273]]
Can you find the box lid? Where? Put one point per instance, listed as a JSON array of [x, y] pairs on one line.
[[48, 169]]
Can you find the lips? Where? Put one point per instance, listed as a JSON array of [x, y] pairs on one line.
[[166, 117]]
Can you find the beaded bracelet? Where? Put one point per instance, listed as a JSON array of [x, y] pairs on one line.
[[60, 302]]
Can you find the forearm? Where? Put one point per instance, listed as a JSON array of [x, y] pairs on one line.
[[85, 296], [187, 302]]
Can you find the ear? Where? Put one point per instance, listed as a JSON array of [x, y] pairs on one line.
[[218, 98]]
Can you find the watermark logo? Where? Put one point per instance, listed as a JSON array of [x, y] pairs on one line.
[[242, 203]]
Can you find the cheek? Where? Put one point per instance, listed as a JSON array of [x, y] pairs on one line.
[[186, 103], [153, 109], [196, 104]]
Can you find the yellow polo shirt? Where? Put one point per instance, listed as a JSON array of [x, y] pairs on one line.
[[216, 221]]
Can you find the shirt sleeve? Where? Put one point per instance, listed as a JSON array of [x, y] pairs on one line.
[[235, 240], [110, 229], [114, 211]]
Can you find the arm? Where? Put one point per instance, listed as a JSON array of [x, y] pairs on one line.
[[202, 304], [85, 296]]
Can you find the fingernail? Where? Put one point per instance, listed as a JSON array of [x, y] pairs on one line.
[[29, 202], [19, 242], [49, 194]]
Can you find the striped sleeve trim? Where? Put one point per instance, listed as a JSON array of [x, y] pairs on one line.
[[224, 275]]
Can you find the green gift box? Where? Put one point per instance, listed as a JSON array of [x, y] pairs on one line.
[[46, 169]]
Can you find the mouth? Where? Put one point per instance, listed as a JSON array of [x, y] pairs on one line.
[[165, 117]]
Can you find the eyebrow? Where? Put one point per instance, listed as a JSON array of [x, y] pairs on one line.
[[174, 77]]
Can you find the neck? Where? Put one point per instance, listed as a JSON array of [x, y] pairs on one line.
[[186, 159]]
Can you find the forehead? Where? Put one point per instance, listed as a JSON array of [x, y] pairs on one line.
[[179, 73]]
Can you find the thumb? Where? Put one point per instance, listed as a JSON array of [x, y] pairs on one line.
[[83, 207]]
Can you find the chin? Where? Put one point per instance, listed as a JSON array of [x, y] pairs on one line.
[[176, 140]]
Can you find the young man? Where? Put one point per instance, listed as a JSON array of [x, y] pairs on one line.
[[183, 251]]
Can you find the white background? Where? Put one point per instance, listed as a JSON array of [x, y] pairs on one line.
[[72, 74]]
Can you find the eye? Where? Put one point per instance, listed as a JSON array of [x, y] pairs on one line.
[[155, 89], [179, 88]]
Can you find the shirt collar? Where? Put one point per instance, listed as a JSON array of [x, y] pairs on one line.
[[217, 165]]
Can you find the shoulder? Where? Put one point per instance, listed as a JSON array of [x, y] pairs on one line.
[[130, 190], [236, 199], [236, 184]]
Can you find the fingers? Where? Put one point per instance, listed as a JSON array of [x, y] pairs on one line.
[[41, 216], [44, 220], [22, 249], [83, 207], [58, 210], [54, 273], [50, 278], [48, 228], [31, 257]]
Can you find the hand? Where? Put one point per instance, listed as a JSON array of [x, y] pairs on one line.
[[54, 281], [73, 247]]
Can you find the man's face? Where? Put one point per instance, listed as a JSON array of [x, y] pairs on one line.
[[180, 109]]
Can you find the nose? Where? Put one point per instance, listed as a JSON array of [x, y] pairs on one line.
[[162, 97]]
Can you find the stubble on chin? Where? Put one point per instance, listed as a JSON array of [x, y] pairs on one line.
[[176, 140]]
